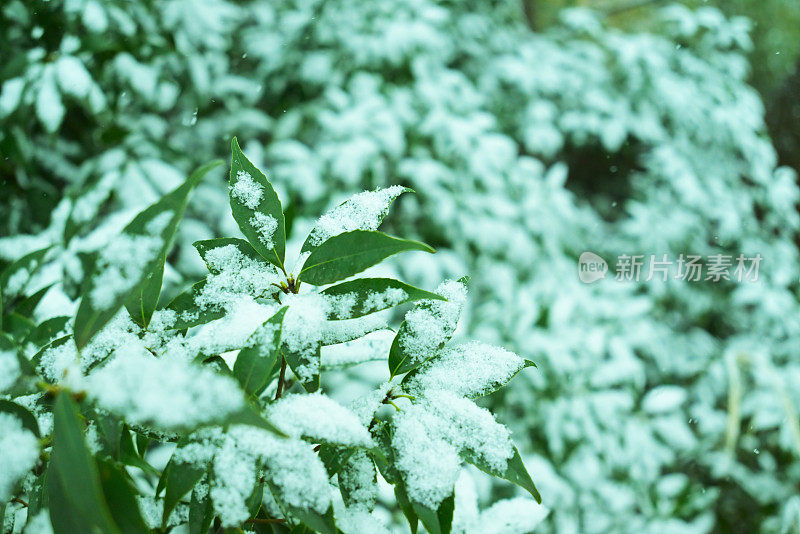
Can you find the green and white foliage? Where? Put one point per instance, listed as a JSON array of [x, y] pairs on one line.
[[207, 411], [661, 407]]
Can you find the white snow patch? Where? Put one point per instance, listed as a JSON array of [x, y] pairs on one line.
[[246, 190]]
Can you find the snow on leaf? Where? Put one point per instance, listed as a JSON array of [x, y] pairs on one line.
[[431, 433], [9, 370], [20, 453], [319, 418], [49, 108], [471, 370], [363, 211], [164, 393], [246, 190], [427, 327]]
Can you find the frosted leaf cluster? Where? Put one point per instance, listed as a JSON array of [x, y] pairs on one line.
[[234, 277], [419, 91], [429, 326], [20, 453], [320, 419], [242, 455], [430, 435], [121, 265], [470, 370], [166, 393]]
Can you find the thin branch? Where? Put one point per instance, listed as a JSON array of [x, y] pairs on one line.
[[281, 378]]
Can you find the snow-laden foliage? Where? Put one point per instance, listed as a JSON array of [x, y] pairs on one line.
[[668, 407], [225, 379]]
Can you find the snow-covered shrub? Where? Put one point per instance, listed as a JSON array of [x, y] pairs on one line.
[[658, 406], [89, 404]]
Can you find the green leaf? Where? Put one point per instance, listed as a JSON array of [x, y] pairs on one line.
[[128, 454], [75, 483], [109, 433], [91, 317], [334, 457], [26, 306], [143, 302], [268, 205], [406, 507], [201, 513], [408, 381], [27, 419], [250, 415], [322, 523], [18, 326], [37, 358], [255, 499], [360, 290], [180, 479], [189, 313], [210, 244], [30, 263], [514, 473], [399, 360], [64, 515], [350, 253], [437, 521], [46, 330], [298, 360], [121, 498], [352, 483], [307, 244], [38, 495], [257, 364]]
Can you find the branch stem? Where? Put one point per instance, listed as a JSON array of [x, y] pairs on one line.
[[281, 378]]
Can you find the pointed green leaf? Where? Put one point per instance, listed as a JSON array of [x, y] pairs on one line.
[[406, 507], [46, 331], [299, 363], [38, 495], [149, 227], [370, 295], [144, 301], [514, 473], [19, 272], [350, 253], [437, 521], [121, 498], [250, 415], [180, 479], [322, 523], [128, 454], [400, 361], [23, 414], [201, 513], [243, 246], [26, 306], [257, 364], [354, 205], [333, 457], [253, 201], [189, 313], [76, 484]]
